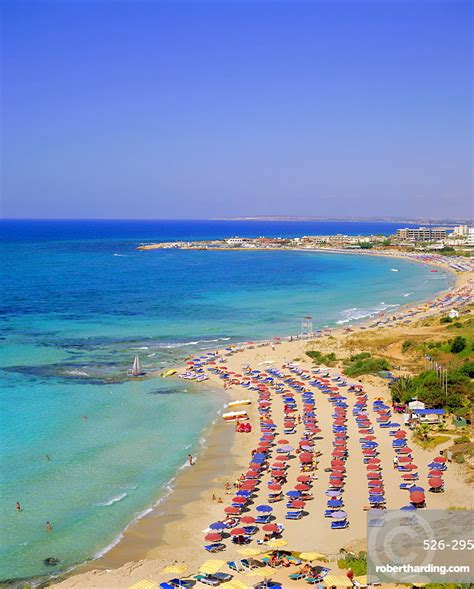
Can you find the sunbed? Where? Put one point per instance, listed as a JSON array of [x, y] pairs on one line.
[[339, 525], [294, 514], [238, 565], [216, 547]]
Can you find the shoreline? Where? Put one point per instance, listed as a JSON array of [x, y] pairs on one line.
[[147, 538]]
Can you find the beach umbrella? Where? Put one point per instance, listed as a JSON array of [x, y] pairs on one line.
[[298, 504], [285, 449], [175, 569], [243, 493], [373, 475], [440, 459], [373, 461], [274, 487], [264, 508], [247, 519], [410, 466], [278, 543], [239, 500], [334, 503], [265, 572], [404, 451], [337, 581], [435, 473], [376, 499], [400, 434], [417, 497], [212, 566], [293, 493], [213, 537], [270, 528], [435, 482], [415, 488], [373, 467], [217, 526], [309, 556], [250, 552], [283, 442], [369, 438], [408, 508], [238, 532], [338, 514], [232, 510], [302, 487], [303, 478], [404, 459]]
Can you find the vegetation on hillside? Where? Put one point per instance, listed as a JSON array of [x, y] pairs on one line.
[[320, 358], [364, 363]]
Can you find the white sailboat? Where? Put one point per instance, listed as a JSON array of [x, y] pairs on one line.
[[136, 370]]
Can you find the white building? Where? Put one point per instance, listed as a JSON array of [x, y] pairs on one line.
[[461, 231], [470, 236], [235, 241]]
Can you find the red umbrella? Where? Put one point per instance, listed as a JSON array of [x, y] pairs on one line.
[[400, 434], [435, 482], [281, 458], [302, 487], [306, 457], [411, 466], [435, 473], [337, 462], [373, 475], [369, 438], [270, 528], [237, 532], [377, 490], [213, 537], [440, 459], [248, 485], [373, 467], [368, 452], [239, 500], [373, 461], [304, 478], [298, 504], [284, 442], [417, 497], [404, 451], [404, 459], [274, 487], [232, 510], [247, 519]]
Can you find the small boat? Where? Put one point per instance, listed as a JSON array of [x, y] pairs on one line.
[[169, 372], [239, 402], [433, 270], [136, 370], [394, 270], [234, 415]]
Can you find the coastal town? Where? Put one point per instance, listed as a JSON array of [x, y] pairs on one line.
[[457, 239]]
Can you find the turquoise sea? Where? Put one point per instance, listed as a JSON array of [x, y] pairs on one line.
[[79, 302]]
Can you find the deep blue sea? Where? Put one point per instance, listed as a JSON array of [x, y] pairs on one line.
[[79, 302]]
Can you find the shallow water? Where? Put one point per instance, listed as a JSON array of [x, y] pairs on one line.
[[80, 302]]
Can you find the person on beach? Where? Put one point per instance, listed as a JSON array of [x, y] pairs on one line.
[[190, 460], [49, 527], [220, 500], [395, 463], [18, 506], [214, 498], [350, 574]]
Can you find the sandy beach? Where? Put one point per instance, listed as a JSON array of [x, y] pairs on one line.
[[174, 531]]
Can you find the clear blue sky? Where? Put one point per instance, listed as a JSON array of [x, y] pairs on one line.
[[115, 109]]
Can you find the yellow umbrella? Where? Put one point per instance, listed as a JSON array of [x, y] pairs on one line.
[[312, 556], [175, 569], [144, 584], [234, 584], [336, 581], [362, 580], [250, 551], [279, 543], [210, 567], [263, 572]]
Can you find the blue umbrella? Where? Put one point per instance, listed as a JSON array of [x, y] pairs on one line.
[[334, 503], [408, 508], [414, 488], [217, 526], [243, 493], [264, 508], [293, 493], [376, 499], [399, 443]]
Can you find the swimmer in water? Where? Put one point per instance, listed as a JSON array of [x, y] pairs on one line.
[[18, 506], [49, 527]]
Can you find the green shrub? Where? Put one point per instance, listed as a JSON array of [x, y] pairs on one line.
[[459, 459], [366, 366], [321, 358], [458, 344], [445, 320], [467, 368], [407, 344]]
